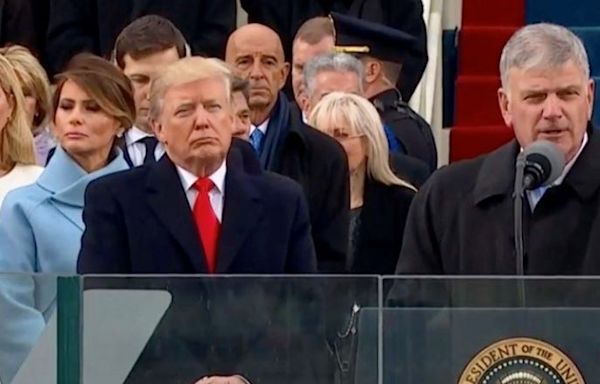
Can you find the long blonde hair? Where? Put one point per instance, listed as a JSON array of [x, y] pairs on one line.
[[34, 81], [16, 139], [359, 116]]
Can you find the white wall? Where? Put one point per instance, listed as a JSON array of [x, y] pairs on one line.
[[452, 13], [242, 16]]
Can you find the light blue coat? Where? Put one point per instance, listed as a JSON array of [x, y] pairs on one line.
[[40, 232]]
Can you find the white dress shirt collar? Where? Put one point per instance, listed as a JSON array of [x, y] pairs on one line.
[[261, 127], [304, 117], [134, 134], [188, 179], [534, 196], [570, 164], [216, 195]]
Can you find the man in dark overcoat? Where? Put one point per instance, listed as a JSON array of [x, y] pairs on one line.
[[461, 221], [287, 146]]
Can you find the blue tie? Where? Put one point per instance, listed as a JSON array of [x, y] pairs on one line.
[[256, 139], [150, 143], [536, 196]]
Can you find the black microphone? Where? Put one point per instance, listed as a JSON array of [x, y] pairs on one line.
[[544, 163], [540, 164]]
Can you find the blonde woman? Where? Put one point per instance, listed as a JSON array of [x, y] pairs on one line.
[[36, 89], [17, 159], [379, 200]]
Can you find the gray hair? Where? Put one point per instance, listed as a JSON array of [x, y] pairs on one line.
[[333, 62], [542, 45]]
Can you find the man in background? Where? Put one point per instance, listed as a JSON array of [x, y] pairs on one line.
[[286, 16], [315, 37], [286, 145], [142, 51], [240, 92], [383, 51]]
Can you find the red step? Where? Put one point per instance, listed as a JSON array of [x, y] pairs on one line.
[[479, 49], [477, 101], [470, 142], [493, 13]]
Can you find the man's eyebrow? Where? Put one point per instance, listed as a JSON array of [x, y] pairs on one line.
[[571, 87], [210, 100], [183, 104]]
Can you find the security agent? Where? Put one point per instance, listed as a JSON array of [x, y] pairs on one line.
[[382, 50]]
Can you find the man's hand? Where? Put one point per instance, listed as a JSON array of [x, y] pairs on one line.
[[222, 380]]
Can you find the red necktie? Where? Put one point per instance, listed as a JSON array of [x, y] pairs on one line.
[[206, 222]]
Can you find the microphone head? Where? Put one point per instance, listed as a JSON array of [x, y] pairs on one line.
[[546, 157]]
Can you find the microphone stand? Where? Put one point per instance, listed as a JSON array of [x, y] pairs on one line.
[[519, 193]]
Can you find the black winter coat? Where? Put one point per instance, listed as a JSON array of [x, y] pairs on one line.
[[92, 25]]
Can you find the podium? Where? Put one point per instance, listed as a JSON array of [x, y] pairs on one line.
[[491, 330], [318, 329]]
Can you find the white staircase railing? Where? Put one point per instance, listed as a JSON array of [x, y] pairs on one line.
[[427, 98]]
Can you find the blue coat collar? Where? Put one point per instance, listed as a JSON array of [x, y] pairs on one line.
[[66, 181]]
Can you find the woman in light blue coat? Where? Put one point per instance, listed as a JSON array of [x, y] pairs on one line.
[[41, 224]]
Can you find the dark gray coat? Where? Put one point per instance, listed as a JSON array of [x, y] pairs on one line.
[[461, 221]]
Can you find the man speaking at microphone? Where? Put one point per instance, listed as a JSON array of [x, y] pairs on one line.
[[461, 221]]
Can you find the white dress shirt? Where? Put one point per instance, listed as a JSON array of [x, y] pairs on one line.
[[137, 149], [536, 195], [261, 127], [304, 117], [215, 195]]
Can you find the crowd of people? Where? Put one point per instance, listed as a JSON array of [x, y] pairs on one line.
[[172, 147]]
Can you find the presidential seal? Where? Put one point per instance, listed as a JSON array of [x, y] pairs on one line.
[[521, 361]]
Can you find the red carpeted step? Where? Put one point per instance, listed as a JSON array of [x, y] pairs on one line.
[[479, 49], [477, 101], [490, 13], [469, 142]]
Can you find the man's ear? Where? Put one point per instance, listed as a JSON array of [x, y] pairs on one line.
[[504, 104], [591, 86], [285, 71], [372, 71], [306, 107], [157, 128]]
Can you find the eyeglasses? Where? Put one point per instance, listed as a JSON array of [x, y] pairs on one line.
[[342, 136]]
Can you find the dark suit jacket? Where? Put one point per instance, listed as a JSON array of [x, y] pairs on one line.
[[17, 24], [382, 221], [319, 163], [409, 169], [140, 222], [92, 25]]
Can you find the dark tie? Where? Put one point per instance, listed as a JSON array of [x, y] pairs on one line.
[[207, 224], [150, 143], [256, 139]]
